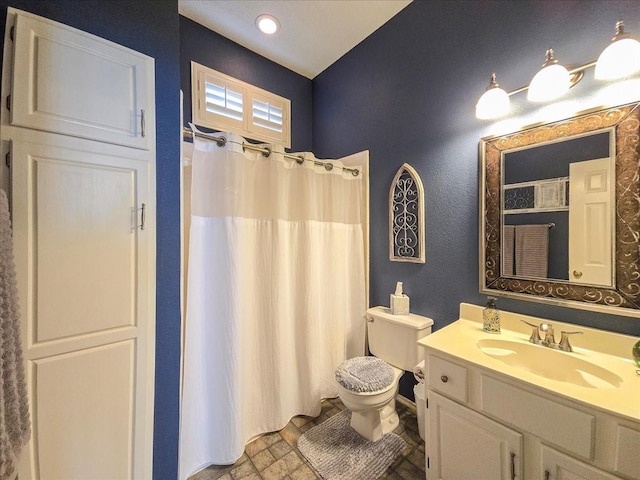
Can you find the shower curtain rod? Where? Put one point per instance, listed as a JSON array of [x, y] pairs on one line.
[[221, 141]]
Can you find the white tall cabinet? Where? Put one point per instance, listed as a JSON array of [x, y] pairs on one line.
[[78, 128]]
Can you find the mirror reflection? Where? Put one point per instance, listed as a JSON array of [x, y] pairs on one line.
[[557, 210], [562, 201]]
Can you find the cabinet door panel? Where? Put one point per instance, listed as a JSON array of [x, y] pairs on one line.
[[557, 466], [84, 284], [85, 249], [82, 393], [464, 445], [71, 82], [627, 448]]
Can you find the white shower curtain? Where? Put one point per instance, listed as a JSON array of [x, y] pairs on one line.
[[276, 295]]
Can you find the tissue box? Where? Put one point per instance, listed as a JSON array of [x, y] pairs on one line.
[[399, 304]]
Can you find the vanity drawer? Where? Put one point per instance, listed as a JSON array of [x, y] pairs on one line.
[[447, 378], [554, 422]]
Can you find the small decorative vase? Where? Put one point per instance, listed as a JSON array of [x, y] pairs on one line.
[[635, 351]]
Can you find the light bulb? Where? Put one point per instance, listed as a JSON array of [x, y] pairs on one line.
[[267, 24], [551, 82], [621, 58], [494, 102]]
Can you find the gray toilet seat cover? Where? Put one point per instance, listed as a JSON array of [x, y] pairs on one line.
[[364, 374]]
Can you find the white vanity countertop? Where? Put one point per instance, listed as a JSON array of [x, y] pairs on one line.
[[605, 350]]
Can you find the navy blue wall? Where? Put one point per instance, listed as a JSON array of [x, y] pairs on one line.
[[552, 160], [150, 27], [407, 93], [208, 48]]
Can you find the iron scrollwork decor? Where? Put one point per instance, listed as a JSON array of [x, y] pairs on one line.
[[406, 217], [624, 297]]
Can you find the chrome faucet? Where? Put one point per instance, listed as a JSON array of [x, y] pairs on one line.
[[549, 337], [564, 344], [535, 333]]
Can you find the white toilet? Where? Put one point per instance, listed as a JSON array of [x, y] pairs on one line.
[[368, 385]]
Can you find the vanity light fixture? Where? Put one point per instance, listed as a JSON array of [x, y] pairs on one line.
[[620, 59], [551, 82], [267, 24], [494, 102]]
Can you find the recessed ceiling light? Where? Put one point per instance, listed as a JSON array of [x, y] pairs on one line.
[[267, 24]]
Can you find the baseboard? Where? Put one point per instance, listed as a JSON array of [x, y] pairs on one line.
[[406, 402]]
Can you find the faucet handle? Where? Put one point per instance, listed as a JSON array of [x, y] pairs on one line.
[[564, 341], [535, 333]]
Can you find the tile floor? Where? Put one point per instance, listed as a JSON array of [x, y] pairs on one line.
[[274, 456]]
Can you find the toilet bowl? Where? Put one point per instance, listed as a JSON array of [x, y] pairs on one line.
[[368, 385], [373, 413]]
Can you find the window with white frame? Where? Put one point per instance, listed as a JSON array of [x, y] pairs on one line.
[[221, 102]]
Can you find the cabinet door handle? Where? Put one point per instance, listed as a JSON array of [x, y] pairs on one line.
[[142, 122], [444, 378], [142, 217], [577, 273], [547, 475], [513, 466]]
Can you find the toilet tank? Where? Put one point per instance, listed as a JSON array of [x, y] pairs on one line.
[[393, 338]]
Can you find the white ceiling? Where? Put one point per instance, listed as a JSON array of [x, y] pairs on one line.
[[313, 33]]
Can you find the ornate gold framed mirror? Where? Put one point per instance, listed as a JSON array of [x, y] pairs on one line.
[[545, 176]]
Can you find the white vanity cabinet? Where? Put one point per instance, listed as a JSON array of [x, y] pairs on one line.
[[499, 430], [500, 407]]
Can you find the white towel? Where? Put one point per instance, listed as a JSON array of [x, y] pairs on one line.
[[14, 410], [419, 372], [532, 250]]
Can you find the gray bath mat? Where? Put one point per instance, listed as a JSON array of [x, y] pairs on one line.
[[337, 452]]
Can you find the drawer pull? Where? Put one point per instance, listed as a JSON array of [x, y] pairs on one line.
[[444, 378], [513, 466]]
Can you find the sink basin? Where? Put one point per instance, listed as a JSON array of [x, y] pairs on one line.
[[548, 363]]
